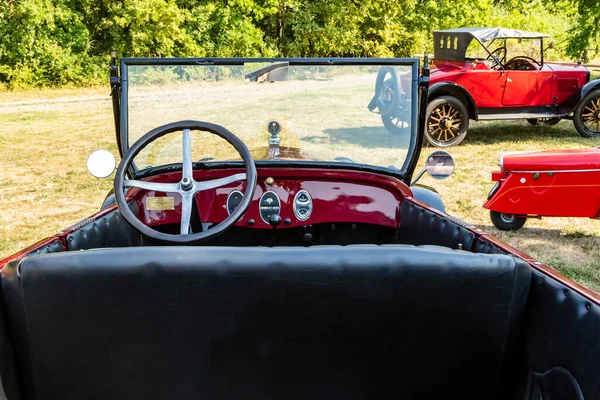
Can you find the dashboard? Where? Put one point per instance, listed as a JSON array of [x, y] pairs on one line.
[[284, 198]]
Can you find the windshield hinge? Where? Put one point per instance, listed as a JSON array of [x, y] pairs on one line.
[[424, 79], [115, 79]]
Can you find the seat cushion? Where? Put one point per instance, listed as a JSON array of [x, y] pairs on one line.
[[355, 322]]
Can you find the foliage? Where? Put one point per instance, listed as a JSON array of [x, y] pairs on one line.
[[585, 33], [67, 42]]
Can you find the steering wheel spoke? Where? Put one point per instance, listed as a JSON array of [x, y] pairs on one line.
[[215, 183], [186, 211], [155, 186], [187, 157]]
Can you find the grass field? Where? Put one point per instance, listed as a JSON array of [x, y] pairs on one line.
[[45, 137]]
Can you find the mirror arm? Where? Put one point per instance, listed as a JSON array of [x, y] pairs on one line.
[[418, 177]]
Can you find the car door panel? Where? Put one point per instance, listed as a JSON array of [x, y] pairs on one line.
[[485, 86], [528, 88]]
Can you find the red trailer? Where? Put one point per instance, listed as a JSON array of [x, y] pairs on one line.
[[556, 183]]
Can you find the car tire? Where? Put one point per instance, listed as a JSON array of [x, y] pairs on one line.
[[588, 110], [450, 127], [544, 121], [507, 222]]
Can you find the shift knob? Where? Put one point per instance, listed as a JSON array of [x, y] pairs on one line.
[[274, 220]]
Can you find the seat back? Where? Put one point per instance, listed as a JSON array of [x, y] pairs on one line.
[[355, 322]]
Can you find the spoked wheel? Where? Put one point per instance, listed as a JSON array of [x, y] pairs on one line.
[[398, 122], [586, 117], [447, 121], [507, 222], [544, 121]]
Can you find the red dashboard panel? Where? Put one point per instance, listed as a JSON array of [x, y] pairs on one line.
[[337, 196]]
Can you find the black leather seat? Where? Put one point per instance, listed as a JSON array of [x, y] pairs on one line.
[[356, 322]]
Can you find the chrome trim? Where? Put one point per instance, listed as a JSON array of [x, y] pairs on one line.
[[260, 202], [228, 196], [309, 204]]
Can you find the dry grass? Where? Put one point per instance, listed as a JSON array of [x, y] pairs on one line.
[[45, 137]]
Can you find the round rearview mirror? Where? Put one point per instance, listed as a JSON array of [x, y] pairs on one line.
[[440, 164], [101, 163]]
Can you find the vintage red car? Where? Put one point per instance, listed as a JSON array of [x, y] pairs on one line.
[[500, 74], [263, 241], [535, 184]]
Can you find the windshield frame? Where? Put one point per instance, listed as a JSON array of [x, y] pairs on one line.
[[119, 83]]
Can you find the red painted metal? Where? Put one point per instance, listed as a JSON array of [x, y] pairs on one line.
[[552, 160], [562, 183], [337, 195], [528, 88], [549, 85]]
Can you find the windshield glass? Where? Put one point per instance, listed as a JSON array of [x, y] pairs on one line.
[[361, 114]]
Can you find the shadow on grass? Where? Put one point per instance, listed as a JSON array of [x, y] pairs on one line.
[[524, 232], [515, 132], [370, 137]]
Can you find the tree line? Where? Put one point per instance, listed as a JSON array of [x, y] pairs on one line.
[[67, 42]]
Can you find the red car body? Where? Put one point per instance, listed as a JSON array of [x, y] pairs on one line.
[[496, 87], [544, 184]]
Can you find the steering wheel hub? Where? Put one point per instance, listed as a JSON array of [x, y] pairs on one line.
[[186, 184]]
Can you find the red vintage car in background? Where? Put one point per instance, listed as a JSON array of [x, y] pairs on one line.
[[500, 74], [545, 184]]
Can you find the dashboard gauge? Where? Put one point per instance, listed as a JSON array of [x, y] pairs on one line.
[[303, 205], [233, 201], [269, 204]]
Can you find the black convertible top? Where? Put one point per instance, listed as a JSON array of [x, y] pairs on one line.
[[451, 44], [486, 34]]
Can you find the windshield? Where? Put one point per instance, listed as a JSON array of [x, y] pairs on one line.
[[282, 110]]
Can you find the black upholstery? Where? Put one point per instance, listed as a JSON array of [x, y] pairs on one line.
[[563, 330], [356, 322], [487, 247], [52, 247], [109, 231], [419, 225]]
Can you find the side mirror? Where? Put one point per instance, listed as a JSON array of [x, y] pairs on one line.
[[101, 163], [440, 165], [550, 45]]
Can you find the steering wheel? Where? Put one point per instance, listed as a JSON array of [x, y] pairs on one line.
[[187, 187], [387, 91], [529, 59], [496, 57]]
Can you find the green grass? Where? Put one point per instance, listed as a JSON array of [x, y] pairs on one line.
[[45, 138]]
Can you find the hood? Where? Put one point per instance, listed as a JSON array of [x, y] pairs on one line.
[[563, 67], [551, 160]]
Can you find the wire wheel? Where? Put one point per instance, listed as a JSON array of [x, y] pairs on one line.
[[447, 122], [586, 117]]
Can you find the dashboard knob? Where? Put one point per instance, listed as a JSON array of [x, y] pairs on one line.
[[274, 220]]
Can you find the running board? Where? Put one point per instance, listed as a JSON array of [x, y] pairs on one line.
[[484, 117]]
